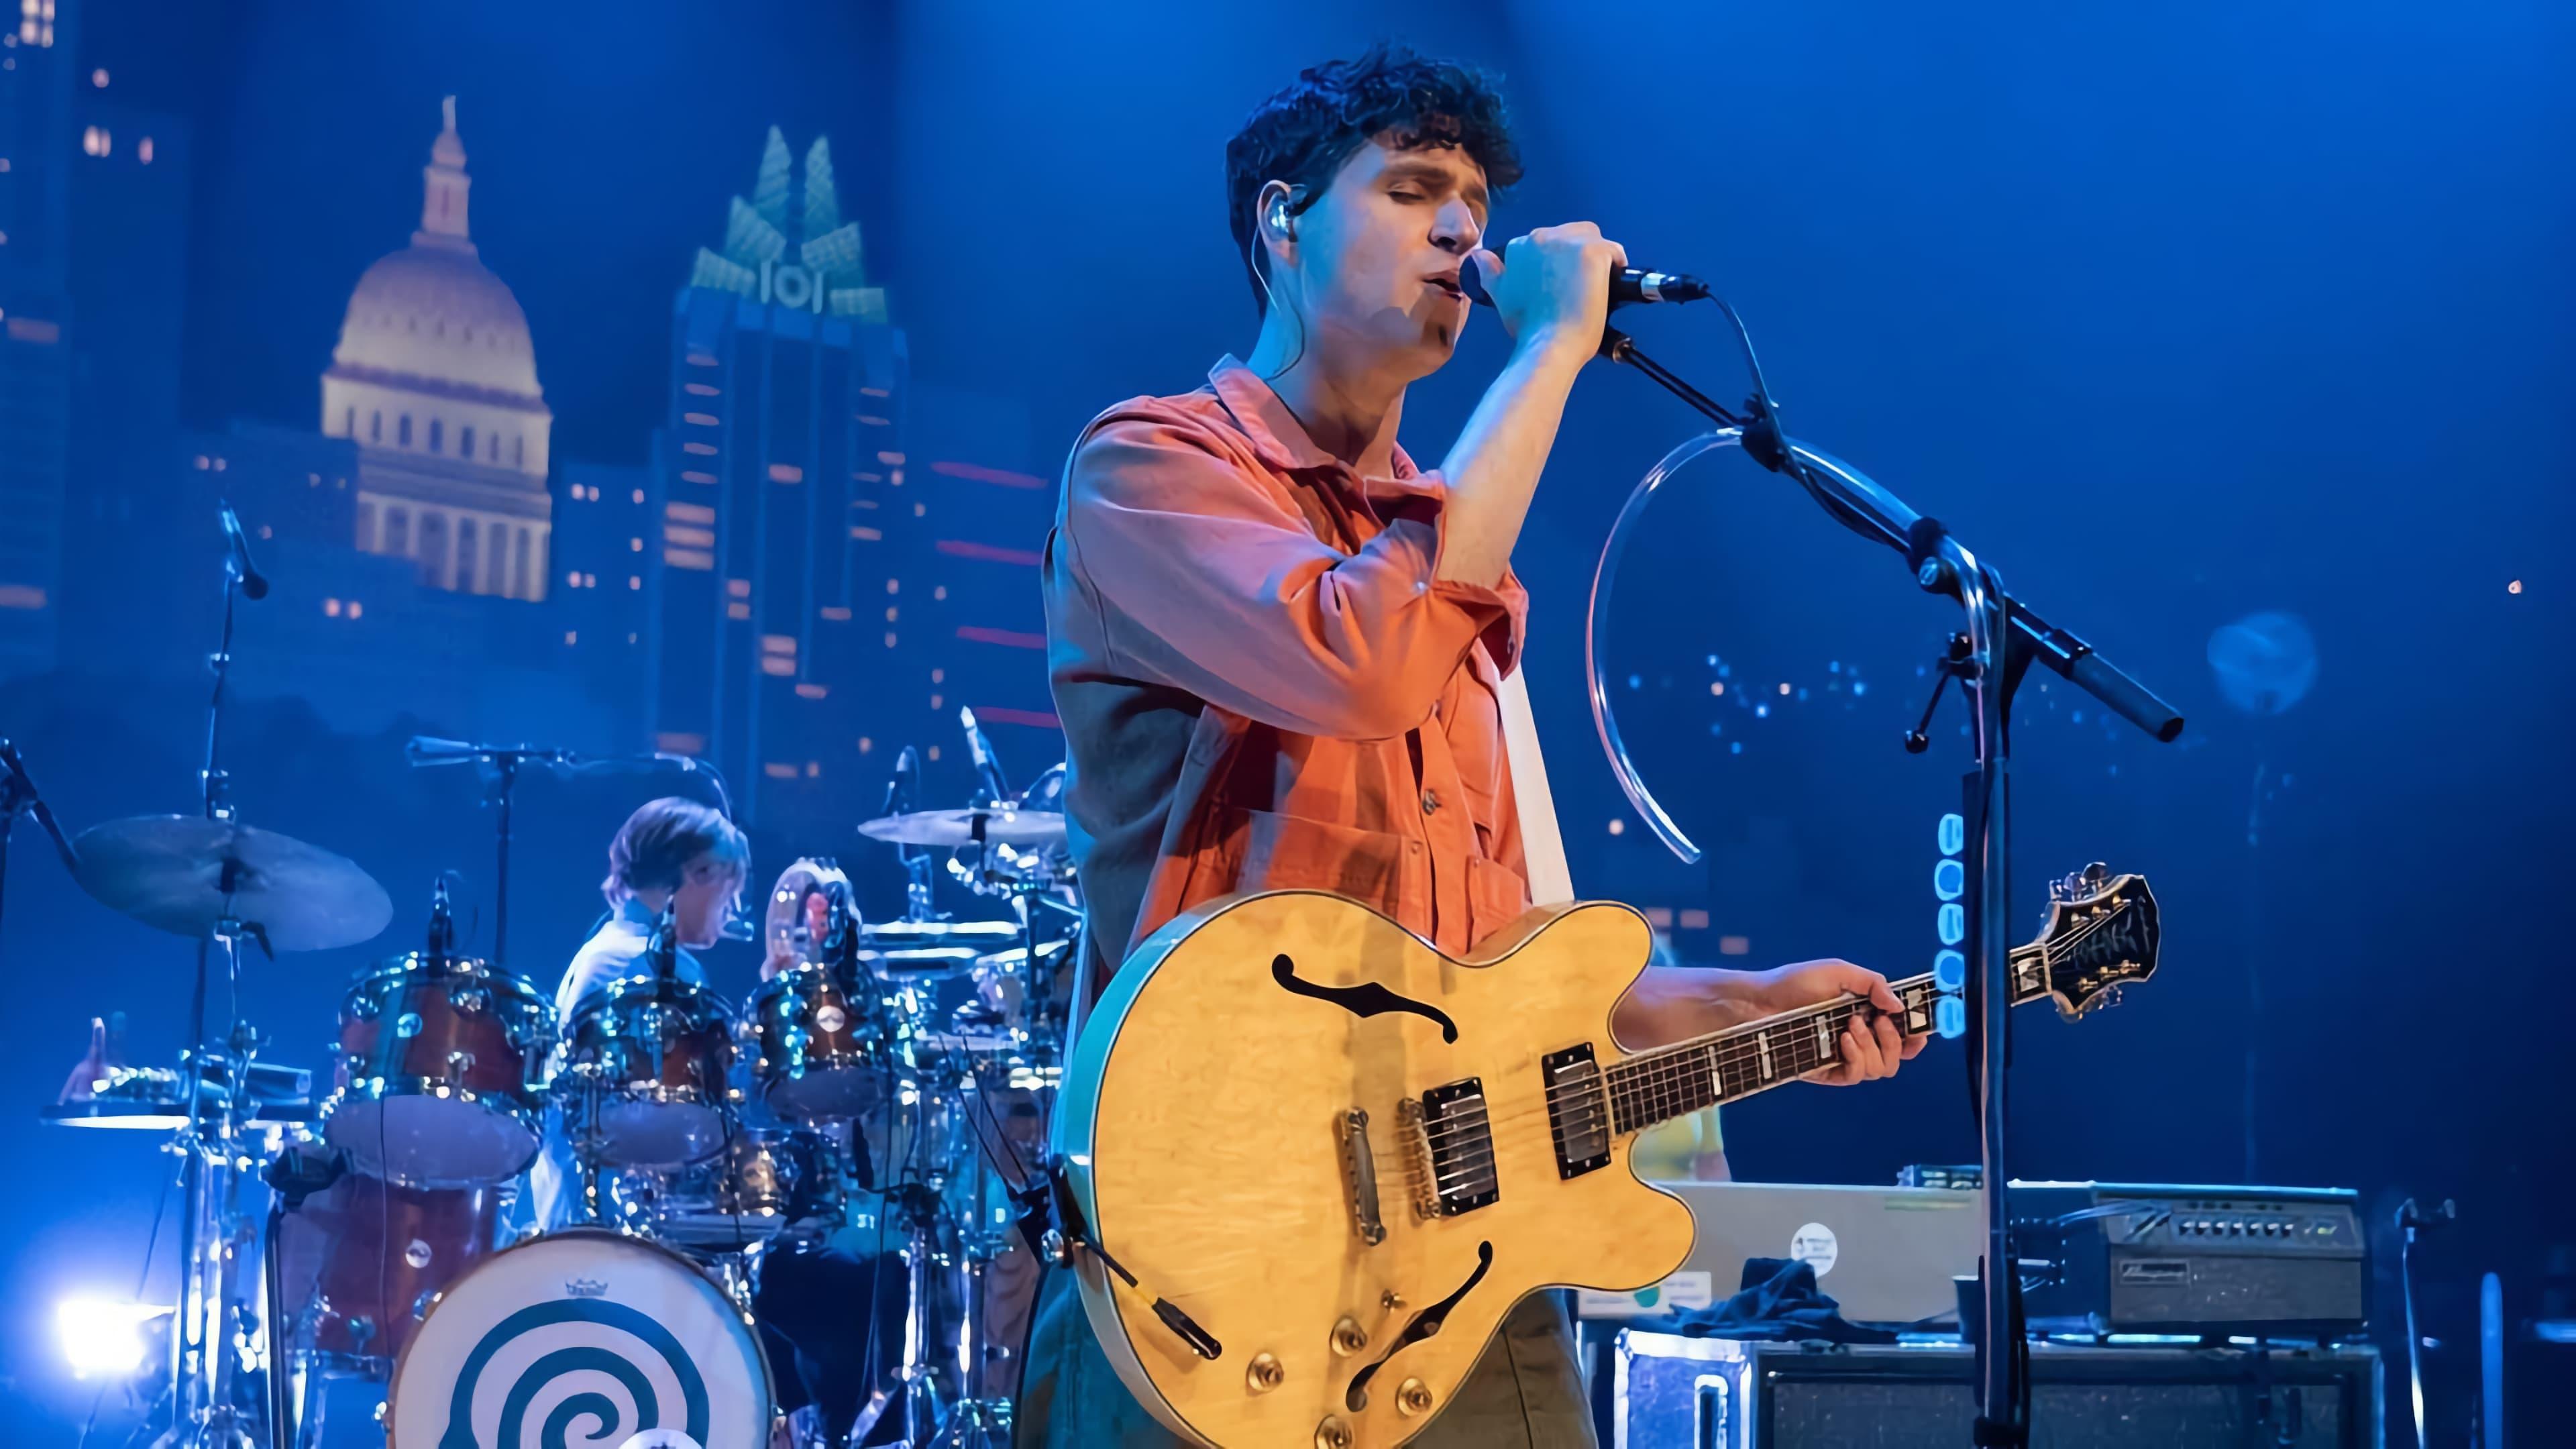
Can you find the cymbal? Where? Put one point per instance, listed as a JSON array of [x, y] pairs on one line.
[[949, 829], [169, 872], [926, 933]]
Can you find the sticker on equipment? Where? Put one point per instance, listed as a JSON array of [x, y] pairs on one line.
[[1814, 1246]]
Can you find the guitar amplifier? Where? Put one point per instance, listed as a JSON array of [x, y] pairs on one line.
[[2104, 1257], [1671, 1392]]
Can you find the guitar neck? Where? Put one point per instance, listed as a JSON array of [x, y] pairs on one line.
[[1676, 1080]]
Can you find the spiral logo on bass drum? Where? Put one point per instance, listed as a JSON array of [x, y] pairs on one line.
[[653, 1425]]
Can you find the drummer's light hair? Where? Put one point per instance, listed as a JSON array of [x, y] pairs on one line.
[[653, 848]]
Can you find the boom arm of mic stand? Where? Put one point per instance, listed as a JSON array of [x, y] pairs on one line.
[[1874, 513]]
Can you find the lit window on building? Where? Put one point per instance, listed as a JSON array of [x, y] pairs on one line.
[[702, 420], [1734, 946], [680, 744], [572, 636], [1694, 920], [939, 676], [813, 769], [691, 476], [689, 537], [639, 495], [95, 141], [700, 359], [890, 612], [98, 77], [786, 473], [34, 329], [354, 609], [738, 588], [810, 690], [1618, 827], [703, 450], [894, 586], [889, 639], [331, 608], [874, 392], [688, 513], [934, 754], [894, 459], [920, 509], [688, 558], [737, 611], [778, 644], [872, 420], [634, 545], [866, 535], [835, 613], [143, 151], [777, 771], [940, 592], [702, 389], [634, 581], [774, 664], [866, 744], [573, 579], [21, 596], [937, 702]]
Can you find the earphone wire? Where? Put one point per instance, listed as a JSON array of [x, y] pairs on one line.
[[1260, 277]]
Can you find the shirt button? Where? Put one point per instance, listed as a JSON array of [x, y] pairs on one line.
[[1430, 801]]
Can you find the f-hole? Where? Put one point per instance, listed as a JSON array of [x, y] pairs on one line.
[[1366, 999], [1424, 1324]]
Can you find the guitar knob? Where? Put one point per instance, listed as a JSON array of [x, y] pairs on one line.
[[1264, 1374], [1332, 1433], [1348, 1336], [1413, 1398]]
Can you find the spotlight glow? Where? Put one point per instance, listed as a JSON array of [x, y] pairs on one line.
[[101, 1337]]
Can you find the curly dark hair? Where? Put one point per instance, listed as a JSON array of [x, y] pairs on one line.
[[1303, 134]]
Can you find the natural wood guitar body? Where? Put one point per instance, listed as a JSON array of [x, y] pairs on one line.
[[1203, 1125]]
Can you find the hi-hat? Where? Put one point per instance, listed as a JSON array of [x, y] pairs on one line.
[[184, 873], [951, 829]]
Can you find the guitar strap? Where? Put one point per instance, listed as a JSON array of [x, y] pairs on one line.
[[1550, 882]]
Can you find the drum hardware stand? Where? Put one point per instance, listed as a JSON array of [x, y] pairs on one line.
[[2004, 638], [202, 1408]]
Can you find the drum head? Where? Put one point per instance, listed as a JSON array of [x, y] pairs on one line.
[[581, 1338]]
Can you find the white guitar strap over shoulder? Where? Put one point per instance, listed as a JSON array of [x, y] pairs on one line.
[[1550, 882]]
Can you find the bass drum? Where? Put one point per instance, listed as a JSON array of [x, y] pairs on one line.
[[582, 1337]]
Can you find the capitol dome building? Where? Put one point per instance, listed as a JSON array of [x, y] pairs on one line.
[[435, 379]]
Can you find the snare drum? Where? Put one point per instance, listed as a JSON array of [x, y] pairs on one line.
[[645, 1073], [764, 1182], [438, 1064], [582, 1337], [817, 1049]]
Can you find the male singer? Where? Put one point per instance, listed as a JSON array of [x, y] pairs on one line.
[[1275, 643]]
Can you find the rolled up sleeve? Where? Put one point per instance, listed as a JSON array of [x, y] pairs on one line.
[[1209, 582]]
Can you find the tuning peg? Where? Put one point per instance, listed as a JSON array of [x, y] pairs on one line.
[[2062, 889], [2097, 874]]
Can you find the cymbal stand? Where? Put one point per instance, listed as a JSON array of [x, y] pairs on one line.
[[208, 1340]]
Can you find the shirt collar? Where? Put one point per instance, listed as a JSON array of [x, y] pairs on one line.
[[1278, 438]]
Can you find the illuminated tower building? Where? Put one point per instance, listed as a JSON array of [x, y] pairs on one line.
[[435, 378], [778, 489], [37, 150]]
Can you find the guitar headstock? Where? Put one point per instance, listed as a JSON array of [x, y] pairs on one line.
[[2100, 934]]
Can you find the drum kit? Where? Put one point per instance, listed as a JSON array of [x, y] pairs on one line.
[[358, 1266]]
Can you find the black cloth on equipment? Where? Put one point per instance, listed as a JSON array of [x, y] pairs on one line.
[[1779, 1300]]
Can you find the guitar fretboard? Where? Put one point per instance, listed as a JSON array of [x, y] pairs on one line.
[[1682, 1078]]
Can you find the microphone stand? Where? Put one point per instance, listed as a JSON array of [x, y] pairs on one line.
[[19, 796], [2004, 637]]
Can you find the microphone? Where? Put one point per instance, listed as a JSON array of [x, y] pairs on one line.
[[988, 767], [904, 789], [442, 921], [427, 750], [1627, 285], [254, 585]]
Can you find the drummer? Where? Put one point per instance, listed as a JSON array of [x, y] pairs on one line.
[[670, 853]]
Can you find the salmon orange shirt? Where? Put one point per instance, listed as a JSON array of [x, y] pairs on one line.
[[1263, 682]]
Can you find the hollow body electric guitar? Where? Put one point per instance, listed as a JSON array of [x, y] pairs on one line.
[[1320, 1160]]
